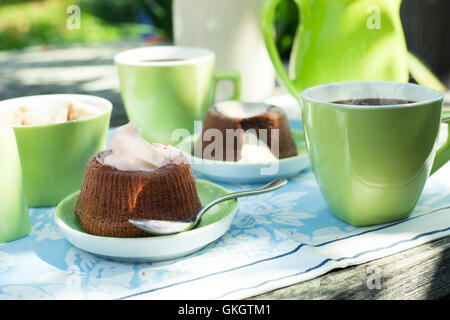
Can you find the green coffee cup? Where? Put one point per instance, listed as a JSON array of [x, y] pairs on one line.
[[54, 156], [165, 88], [14, 217], [371, 162]]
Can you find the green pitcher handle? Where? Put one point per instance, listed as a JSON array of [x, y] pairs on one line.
[[230, 75], [443, 153], [267, 19], [423, 74]]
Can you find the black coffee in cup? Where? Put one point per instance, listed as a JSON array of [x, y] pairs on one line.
[[374, 102], [163, 60]]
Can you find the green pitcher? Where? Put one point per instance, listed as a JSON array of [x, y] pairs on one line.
[[345, 40]]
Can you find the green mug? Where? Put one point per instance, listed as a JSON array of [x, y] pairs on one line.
[[371, 162], [14, 217], [165, 88], [54, 156]]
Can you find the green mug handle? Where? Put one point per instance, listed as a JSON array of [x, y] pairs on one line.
[[228, 75], [443, 153], [267, 20]]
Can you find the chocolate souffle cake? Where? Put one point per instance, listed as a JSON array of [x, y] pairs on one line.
[[135, 180], [235, 115]]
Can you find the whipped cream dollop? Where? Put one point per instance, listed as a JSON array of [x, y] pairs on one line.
[[130, 152], [255, 150], [239, 109], [31, 115]]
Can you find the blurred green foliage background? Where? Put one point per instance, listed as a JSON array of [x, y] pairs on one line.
[[43, 22], [25, 23]]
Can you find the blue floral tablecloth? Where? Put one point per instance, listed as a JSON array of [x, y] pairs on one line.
[[276, 239]]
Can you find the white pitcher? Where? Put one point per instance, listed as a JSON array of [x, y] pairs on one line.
[[231, 29]]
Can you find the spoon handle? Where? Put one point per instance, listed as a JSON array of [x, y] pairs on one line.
[[268, 187]]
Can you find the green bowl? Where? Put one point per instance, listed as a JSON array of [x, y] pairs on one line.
[[54, 156]]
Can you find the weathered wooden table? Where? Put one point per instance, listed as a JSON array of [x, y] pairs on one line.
[[419, 273]]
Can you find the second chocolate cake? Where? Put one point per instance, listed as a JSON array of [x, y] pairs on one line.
[[233, 120]]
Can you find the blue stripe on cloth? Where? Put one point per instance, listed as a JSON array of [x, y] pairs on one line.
[[336, 260], [298, 248]]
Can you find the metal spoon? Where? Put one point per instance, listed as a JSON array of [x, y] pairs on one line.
[[164, 227]]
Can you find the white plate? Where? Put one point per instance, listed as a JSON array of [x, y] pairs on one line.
[[213, 225], [233, 172]]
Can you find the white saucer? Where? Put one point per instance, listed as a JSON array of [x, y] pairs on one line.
[[213, 225], [233, 172]]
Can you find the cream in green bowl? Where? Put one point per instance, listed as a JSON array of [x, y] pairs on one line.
[[54, 145]]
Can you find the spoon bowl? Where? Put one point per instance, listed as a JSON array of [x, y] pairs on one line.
[[166, 227]]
